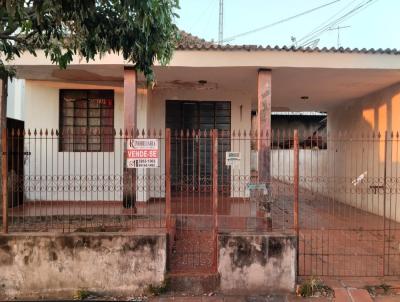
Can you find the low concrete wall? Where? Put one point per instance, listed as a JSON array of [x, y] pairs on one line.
[[45, 264], [257, 263]]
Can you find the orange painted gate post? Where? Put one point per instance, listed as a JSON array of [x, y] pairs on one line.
[[4, 179], [215, 194], [296, 190], [168, 221]]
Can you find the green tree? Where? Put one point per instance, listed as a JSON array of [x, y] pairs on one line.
[[141, 30]]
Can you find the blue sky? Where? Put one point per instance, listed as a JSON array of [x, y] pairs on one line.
[[375, 26]]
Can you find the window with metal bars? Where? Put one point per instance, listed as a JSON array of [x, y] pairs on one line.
[[86, 120]]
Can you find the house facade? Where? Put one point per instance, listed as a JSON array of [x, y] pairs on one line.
[[217, 166]]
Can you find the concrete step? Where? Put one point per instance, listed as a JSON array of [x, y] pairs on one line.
[[194, 283]]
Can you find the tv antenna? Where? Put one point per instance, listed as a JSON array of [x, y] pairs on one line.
[[338, 28], [221, 22]]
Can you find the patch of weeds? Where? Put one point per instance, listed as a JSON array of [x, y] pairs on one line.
[[382, 289], [82, 294], [156, 290], [314, 287]]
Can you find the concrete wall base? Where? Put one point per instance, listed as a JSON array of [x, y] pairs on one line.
[[257, 263], [45, 264]]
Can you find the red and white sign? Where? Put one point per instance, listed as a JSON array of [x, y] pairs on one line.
[[142, 153]]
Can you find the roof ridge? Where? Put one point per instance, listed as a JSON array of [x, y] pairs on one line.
[[188, 41]]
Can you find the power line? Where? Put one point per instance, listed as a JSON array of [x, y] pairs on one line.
[[327, 21], [202, 14], [310, 38], [280, 21]]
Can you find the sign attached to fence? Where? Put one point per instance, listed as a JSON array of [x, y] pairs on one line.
[[142, 153], [258, 187], [232, 159]]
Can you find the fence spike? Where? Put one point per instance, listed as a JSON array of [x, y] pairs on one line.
[[227, 133]]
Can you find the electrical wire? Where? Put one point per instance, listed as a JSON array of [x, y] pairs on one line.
[[201, 15], [309, 39], [326, 21], [279, 22]]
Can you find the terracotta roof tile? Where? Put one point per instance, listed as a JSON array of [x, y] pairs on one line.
[[188, 41]]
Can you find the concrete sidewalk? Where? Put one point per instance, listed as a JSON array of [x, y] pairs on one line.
[[341, 295]]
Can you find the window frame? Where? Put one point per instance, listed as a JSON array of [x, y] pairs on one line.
[[102, 94]]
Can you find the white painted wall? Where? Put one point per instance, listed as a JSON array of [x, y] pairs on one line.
[[358, 119], [53, 175], [313, 168], [16, 99]]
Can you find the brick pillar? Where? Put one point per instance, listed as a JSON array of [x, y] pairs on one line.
[[130, 127], [262, 196]]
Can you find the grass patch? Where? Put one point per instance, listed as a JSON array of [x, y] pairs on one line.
[[314, 287], [381, 289], [156, 290], [82, 294]]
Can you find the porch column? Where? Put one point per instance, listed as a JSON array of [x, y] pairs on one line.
[[264, 148], [130, 126]]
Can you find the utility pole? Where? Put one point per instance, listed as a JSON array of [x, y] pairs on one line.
[[221, 22], [338, 33]]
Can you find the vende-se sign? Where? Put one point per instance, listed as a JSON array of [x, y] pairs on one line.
[[142, 153]]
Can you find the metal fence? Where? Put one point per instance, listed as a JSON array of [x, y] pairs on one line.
[[338, 193], [51, 190]]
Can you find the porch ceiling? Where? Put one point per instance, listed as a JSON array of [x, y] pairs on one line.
[[325, 87]]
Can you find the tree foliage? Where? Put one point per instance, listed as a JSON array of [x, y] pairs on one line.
[[141, 30]]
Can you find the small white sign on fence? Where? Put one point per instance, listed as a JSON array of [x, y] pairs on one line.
[[142, 153], [232, 159]]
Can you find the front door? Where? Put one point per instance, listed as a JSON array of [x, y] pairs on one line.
[[193, 247], [191, 123]]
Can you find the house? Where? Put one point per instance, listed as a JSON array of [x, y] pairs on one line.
[[69, 164]]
